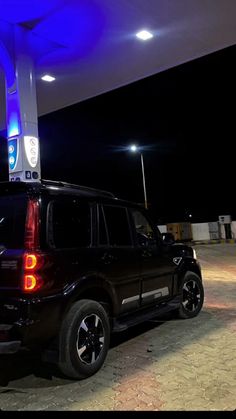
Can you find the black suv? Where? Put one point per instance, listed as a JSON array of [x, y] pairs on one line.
[[76, 264]]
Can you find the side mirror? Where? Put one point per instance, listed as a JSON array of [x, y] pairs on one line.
[[168, 238]]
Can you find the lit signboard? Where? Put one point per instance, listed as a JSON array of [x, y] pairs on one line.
[[12, 153], [31, 150]]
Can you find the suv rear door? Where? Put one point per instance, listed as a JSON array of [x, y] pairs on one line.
[[69, 237], [118, 257], [157, 266]]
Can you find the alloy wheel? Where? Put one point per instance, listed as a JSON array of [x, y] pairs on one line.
[[191, 295], [90, 339]]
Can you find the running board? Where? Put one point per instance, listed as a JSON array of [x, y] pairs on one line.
[[126, 321]]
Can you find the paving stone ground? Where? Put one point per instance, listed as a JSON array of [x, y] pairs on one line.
[[170, 365]]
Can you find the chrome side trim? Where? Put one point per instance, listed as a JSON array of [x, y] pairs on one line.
[[130, 299], [160, 292]]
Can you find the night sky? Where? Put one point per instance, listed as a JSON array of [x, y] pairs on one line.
[[185, 120]]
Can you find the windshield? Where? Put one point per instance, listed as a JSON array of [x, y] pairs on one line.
[[12, 221]]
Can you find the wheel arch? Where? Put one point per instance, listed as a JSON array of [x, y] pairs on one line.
[[98, 294], [188, 266], [95, 289]]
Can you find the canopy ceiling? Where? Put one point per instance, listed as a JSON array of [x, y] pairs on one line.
[[90, 45]]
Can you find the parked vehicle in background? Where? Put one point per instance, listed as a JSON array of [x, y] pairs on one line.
[[77, 264]]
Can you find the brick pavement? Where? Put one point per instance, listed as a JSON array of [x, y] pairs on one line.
[[171, 365]]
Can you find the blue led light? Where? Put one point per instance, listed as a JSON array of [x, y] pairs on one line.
[[13, 131], [13, 115], [13, 128]]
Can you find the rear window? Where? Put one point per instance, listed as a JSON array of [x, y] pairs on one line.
[[12, 221], [69, 224]]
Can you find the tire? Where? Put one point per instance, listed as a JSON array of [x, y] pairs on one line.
[[192, 296], [84, 339]]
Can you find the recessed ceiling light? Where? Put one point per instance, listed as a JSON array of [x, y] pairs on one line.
[[48, 78], [144, 35]]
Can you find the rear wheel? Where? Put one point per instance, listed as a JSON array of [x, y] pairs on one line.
[[84, 339], [192, 296]]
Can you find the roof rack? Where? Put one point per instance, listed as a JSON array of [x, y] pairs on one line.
[[73, 186]]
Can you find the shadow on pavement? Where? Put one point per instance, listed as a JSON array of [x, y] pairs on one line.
[[26, 370], [26, 364]]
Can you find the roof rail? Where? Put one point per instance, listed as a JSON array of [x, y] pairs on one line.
[[73, 186]]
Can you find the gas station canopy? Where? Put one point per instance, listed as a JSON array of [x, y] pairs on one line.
[[90, 46]]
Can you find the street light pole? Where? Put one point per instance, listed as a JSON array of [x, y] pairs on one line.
[[144, 183], [134, 149]]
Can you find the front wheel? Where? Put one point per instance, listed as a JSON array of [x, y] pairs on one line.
[[84, 339], [192, 296]]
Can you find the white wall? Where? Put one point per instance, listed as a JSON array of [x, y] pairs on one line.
[[200, 231]]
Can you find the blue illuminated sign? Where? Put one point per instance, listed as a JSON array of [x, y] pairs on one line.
[[12, 153]]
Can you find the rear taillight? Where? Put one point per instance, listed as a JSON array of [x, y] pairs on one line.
[[32, 262], [32, 225], [32, 281]]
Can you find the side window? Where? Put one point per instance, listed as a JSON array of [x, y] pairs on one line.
[[102, 232], [71, 224], [117, 226], [144, 231]]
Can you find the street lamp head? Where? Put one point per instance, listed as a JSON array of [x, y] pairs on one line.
[[133, 148]]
